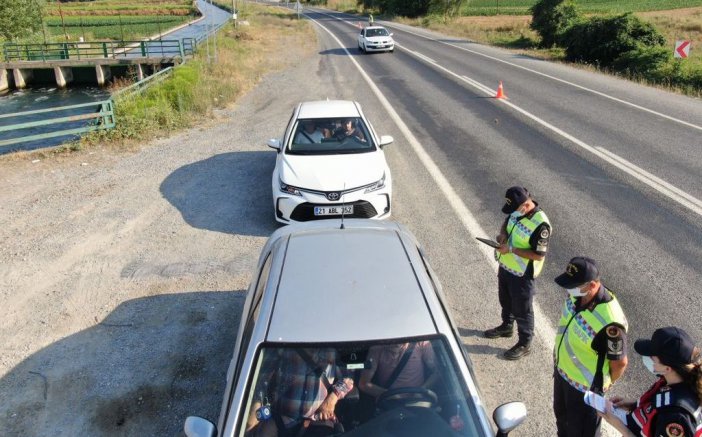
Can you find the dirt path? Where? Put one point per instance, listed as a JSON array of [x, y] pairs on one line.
[[122, 275]]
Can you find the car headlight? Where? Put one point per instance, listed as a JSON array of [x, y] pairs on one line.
[[377, 185], [289, 189]]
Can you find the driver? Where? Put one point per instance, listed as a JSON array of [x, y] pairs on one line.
[[348, 129], [398, 366]]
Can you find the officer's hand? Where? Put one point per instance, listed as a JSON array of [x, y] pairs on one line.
[[501, 238], [503, 248], [622, 403], [252, 421]]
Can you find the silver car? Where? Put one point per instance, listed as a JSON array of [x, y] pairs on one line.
[[345, 330]]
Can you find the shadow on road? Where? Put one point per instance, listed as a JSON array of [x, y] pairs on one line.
[[139, 372], [474, 348], [229, 193]]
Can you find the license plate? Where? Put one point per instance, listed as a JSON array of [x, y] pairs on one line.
[[333, 210]]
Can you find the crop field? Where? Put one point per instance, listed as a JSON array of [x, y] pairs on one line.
[[521, 7], [113, 19]]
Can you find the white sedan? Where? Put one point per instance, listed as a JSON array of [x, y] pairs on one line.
[[330, 164], [375, 39]]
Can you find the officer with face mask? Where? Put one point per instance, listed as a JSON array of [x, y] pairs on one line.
[[671, 407], [590, 347], [523, 239]]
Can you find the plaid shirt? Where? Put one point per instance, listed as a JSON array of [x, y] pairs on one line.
[[296, 391]]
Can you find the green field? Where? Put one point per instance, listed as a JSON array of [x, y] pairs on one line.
[[521, 7], [129, 27]]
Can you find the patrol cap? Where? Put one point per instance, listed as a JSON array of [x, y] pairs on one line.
[[514, 197], [579, 271], [671, 345]]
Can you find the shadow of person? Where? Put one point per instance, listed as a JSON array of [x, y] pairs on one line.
[[229, 193], [139, 372]]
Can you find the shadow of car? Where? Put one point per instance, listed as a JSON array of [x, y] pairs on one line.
[[342, 311]]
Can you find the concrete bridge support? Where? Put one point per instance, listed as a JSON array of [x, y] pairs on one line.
[[139, 71], [64, 76], [22, 77], [4, 83], [103, 73]]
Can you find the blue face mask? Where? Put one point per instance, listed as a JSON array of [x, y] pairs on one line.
[[516, 215]]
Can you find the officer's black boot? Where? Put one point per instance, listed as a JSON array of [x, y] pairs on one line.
[[504, 330], [517, 351]]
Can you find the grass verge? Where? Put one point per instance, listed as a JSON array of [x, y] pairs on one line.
[[273, 40]]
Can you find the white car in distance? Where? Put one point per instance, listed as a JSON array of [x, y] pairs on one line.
[[330, 164], [375, 39]]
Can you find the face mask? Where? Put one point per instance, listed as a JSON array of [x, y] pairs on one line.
[[648, 362], [576, 292], [516, 215]]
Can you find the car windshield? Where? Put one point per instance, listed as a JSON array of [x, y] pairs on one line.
[[376, 32], [329, 136], [408, 386]]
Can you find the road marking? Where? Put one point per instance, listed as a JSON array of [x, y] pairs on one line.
[[557, 79], [543, 327]]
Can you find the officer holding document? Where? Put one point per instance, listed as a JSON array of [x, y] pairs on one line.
[[590, 348], [671, 406], [521, 248]]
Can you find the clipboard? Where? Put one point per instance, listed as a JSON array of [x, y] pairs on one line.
[[489, 242]]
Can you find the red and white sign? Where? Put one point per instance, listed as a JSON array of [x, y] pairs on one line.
[[682, 49]]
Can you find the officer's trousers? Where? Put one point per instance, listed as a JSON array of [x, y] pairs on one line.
[[516, 296], [574, 418]]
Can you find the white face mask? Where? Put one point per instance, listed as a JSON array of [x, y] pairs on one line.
[[576, 292], [648, 362], [517, 215]]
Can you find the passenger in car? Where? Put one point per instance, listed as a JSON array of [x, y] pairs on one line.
[[349, 129], [397, 366], [301, 388], [309, 133]]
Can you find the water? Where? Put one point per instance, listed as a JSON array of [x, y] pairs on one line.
[[31, 99]]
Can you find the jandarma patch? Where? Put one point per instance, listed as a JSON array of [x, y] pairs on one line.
[[544, 233], [613, 332], [674, 430]]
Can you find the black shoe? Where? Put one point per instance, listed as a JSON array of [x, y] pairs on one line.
[[517, 351], [504, 330]]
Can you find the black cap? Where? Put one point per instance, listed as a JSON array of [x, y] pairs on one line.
[[579, 271], [514, 197], [671, 345]]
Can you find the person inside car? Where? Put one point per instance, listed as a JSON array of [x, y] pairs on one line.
[[309, 133], [348, 129], [297, 394]]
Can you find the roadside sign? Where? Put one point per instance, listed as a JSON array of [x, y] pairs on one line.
[[682, 49]]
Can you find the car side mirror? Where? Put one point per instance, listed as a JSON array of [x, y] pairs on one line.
[[274, 143], [509, 416], [199, 427], [385, 140]]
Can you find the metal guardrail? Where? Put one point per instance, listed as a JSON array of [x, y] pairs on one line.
[[97, 50], [102, 118], [143, 84]]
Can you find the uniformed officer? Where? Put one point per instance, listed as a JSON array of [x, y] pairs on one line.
[[523, 239], [671, 407], [590, 347]]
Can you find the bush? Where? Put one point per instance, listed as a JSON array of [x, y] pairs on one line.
[[642, 61], [603, 40], [551, 19]]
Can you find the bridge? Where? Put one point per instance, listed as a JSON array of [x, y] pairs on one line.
[[88, 62]]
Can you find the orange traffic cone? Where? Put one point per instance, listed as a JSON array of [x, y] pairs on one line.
[[500, 92]]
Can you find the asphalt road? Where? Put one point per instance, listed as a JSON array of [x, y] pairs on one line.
[[614, 164]]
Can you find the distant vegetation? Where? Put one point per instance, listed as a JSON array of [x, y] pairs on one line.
[[522, 7]]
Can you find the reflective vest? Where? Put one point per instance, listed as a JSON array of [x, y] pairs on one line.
[[660, 396], [519, 232], [575, 359]]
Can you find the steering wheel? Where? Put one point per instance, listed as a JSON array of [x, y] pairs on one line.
[[407, 396]]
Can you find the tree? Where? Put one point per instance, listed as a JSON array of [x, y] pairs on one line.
[[551, 19], [19, 18]]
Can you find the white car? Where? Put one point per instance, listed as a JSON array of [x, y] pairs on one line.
[[330, 164], [375, 39]]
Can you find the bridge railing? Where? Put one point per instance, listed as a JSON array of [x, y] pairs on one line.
[[102, 49], [64, 121]]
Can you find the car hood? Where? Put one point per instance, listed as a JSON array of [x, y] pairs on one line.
[[379, 38], [332, 172]]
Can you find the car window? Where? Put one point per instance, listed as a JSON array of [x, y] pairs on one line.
[[329, 136], [290, 382], [376, 32]]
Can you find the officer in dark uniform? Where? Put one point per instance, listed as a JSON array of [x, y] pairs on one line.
[[590, 347], [671, 407], [523, 239]]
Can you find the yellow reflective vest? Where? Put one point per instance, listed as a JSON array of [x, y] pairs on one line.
[[519, 233], [575, 359]]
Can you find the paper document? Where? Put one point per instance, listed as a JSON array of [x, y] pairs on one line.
[[600, 404]]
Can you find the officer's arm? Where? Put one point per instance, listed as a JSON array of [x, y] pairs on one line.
[[617, 368], [616, 350], [539, 244]]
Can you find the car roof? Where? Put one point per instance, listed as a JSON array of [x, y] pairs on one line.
[[375, 27], [328, 109], [364, 282]]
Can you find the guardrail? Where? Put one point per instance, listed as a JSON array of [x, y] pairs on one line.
[[97, 50], [143, 84], [101, 117]]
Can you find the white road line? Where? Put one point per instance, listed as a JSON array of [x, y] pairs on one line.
[[557, 79], [543, 327]]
